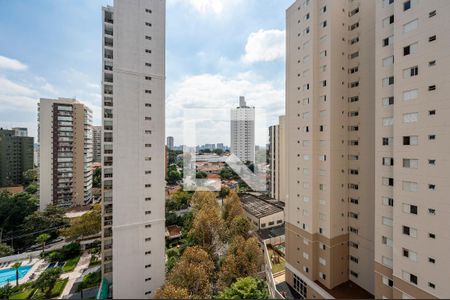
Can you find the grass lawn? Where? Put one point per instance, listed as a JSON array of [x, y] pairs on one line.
[[25, 294], [70, 264], [277, 267], [59, 287]]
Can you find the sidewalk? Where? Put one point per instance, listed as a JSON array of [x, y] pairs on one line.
[[82, 265]]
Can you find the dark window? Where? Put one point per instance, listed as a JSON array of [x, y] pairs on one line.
[[406, 230], [413, 278], [413, 209], [432, 14], [432, 38], [406, 50], [406, 5]]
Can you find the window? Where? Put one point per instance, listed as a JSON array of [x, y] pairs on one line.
[[386, 3], [148, 64], [387, 221], [388, 41], [387, 141], [388, 81], [410, 117], [387, 281], [412, 232], [388, 201], [410, 26], [410, 49], [324, 24], [432, 211], [387, 122], [388, 101], [406, 5], [431, 235], [388, 161], [409, 209], [148, 37], [409, 186], [431, 260], [148, 91], [387, 241], [388, 61], [409, 277], [148, 24], [432, 162], [410, 140], [148, 11], [410, 94], [432, 14], [410, 163], [411, 72], [432, 112], [432, 38], [388, 21], [354, 201], [431, 285], [353, 26], [387, 181], [354, 259], [432, 187], [322, 261], [409, 254], [432, 63], [387, 261], [148, 51], [432, 88], [148, 78]]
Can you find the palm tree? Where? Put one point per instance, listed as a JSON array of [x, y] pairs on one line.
[[16, 267], [42, 238]]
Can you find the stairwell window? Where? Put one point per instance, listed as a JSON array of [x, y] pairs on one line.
[[410, 26], [410, 117]]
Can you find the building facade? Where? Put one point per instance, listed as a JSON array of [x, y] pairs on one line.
[[133, 151], [273, 180], [412, 145], [330, 146], [243, 131], [65, 153], [16, 156], [97, 144], [170, 142]]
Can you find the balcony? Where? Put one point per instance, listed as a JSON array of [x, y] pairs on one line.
[[108, 31]]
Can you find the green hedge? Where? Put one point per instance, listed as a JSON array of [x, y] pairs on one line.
[[70, 264], [58, 287], [25, 294]]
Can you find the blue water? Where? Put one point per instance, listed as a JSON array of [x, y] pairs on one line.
[[9, 275]]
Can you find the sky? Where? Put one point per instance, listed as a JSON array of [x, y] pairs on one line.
[[216, 51]]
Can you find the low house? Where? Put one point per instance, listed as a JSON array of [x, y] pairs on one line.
[[262, 213], [173, 232]]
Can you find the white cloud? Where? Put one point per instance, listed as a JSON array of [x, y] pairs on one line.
[[265, 45], [222, 93], [216, 7], [11, 64]]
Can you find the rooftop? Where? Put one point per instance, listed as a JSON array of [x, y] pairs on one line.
[[347, 290], [258, 207]]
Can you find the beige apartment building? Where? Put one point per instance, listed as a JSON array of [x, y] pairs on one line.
[[276, 184], [412, 183], [133, 147], [65, 156], [330, 138]]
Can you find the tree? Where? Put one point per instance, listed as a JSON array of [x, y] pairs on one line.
[[97, 178], [224, 192], [227, 173], [207, 229], [240, 225], [232, 207], [16, 267], [201, 175], [173, 176], [6, 291], [179, 200], [88, 224], [30, 176], [5, 250], [218, 151], [246, 288], [50, 221], [244, 258], [42, 239], [193, 272], [13, 211], [47, 280], [201, 199], [32, 188], [169, 291]]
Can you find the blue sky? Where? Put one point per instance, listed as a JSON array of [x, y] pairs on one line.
[[216, 51]]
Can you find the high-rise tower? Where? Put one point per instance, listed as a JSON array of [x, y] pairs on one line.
[[133, 86]]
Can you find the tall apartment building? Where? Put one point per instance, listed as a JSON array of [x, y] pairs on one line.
[[170, 142], [330, 138], [65, 153], [277, 161], [243, 131], [97, 144], [412, 238], [16, 155], [133, 154]]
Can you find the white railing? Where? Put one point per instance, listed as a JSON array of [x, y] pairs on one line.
[[274, 293]]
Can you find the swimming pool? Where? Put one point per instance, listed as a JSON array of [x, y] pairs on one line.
[[9, 275]]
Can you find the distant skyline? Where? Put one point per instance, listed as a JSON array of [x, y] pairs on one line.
[[226, 48]]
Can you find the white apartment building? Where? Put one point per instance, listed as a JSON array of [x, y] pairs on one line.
[[65, 156], [170, 142], [133, 151], [243, 131], [330, 148], [412, 210]]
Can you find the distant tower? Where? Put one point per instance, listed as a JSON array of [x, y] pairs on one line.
[[170, 142], [243, 131]]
